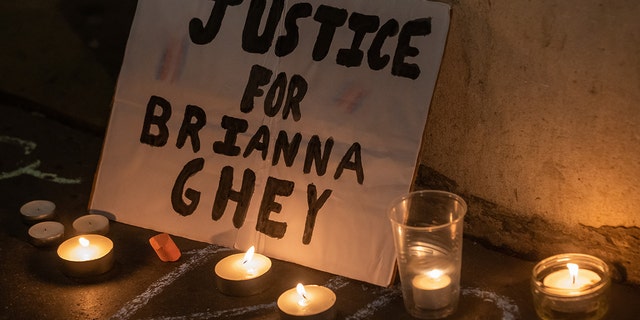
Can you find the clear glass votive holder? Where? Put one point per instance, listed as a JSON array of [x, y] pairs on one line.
[[427, 227], [571, 286]]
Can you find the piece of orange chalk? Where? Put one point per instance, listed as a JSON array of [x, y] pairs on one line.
[[164, 247]]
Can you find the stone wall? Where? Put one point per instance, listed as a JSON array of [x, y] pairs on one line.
[[535, 120]]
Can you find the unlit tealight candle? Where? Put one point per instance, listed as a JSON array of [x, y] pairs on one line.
[[46, 233], [37, 211], [91, 223]]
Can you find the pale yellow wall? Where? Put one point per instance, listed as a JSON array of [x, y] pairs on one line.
[[536, 121], [538, 108]]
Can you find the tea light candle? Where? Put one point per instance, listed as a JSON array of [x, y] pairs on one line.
[[46, 233], [572, 286], [91, 223], [307, 302], [243, 274], [569, 281], [431, 290], [86, 255], [37, 211]]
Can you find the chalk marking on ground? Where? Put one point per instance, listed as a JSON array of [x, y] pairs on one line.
[[509, 309], [28, 146], [389, 295], [31, 169], [337, 283], [222, 313], [155, 288], [334, 283]]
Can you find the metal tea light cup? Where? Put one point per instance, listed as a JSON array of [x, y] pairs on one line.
[[427, 227]]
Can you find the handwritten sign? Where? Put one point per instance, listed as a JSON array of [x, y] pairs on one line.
[[288, 126]]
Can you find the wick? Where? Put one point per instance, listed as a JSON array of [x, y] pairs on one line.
[[573, 278]]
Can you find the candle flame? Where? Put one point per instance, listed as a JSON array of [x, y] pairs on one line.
[[435, 273], [302, 293], [248, 255], [573, 271], [83, 242]]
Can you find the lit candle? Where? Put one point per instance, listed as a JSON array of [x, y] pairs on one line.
[[86, 255], [431, 290], [571, 280], [243, 274], [307, 302], [91, 223], [37, 211], [46, 233], [571, 286]]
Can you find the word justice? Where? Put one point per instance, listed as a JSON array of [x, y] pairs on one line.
[[331, 20]]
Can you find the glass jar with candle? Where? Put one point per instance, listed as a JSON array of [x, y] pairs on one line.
[[571, 286], [427, 227]]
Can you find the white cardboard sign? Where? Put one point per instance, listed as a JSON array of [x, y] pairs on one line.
[[286, 125]]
